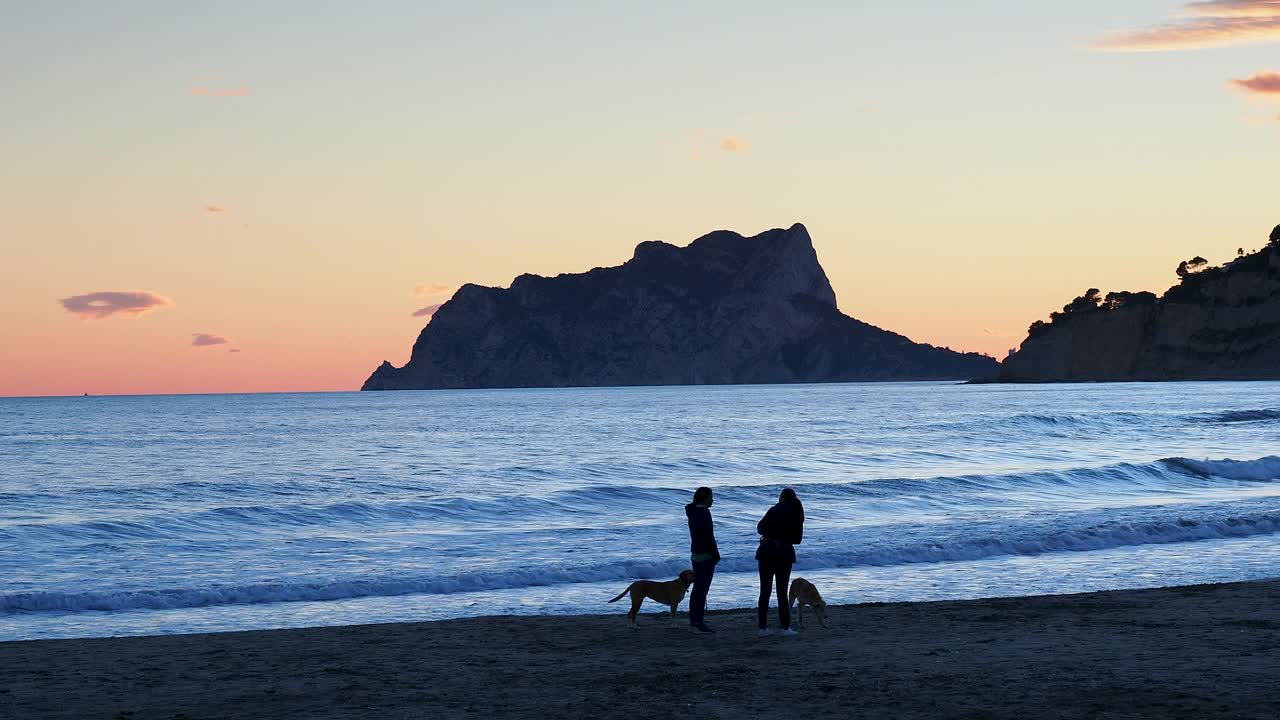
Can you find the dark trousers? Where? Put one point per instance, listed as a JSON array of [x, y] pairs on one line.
[[702, 573], [771, 572]]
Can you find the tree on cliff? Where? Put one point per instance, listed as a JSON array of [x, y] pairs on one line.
[[1117, 300], [1275, 235], [1187, 267], [1086, 302], [1090, 300]]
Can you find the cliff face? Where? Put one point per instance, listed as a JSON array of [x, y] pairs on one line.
[[724, 310], [1218, 324]]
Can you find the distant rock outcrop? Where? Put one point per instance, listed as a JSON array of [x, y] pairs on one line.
[[724, 310], [1218, 323]]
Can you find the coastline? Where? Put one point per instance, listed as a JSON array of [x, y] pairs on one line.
[[1209, 650]]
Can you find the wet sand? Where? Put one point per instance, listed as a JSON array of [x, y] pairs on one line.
[[1193, 652]]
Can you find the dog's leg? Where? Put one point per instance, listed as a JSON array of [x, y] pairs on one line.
[[636, 601]]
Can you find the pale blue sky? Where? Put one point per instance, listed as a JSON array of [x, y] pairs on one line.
[[981, 152]]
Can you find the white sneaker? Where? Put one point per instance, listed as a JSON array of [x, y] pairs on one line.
[[764, 632], [788, 632]]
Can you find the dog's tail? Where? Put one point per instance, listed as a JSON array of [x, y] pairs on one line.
[[623, 593]]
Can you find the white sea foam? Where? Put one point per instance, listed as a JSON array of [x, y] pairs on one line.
[[975, 541], [1169, 474], [173, 508]]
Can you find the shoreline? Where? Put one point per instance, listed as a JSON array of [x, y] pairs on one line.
[[1193, 651]]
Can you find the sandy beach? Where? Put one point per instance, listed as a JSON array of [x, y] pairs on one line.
[[1206, 651]]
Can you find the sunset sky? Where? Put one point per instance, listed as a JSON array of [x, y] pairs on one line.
[[249, 196]]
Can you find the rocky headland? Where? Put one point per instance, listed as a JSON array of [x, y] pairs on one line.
[[1217, 323], [726, 309]]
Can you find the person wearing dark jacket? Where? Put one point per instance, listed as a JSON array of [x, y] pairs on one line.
[[703, 553], [781, 529]]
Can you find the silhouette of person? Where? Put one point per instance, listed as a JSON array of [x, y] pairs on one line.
[[704, 553], [781, 529]]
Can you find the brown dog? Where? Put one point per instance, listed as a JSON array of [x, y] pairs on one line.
[[668, 593], [803, 592]]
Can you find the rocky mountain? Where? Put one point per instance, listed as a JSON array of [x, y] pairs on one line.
[[1218, 323], [726, 309]]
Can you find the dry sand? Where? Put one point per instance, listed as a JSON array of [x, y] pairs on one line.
[[1198, 652]]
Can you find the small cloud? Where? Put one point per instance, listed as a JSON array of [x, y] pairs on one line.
[[1267, 83], [202, 91], [235, 350], [427, 311], [733, 144], [1214, 23], [431, 289], [215, 209], [205, 340], [101, 305], [1234, 8], [988, 331]]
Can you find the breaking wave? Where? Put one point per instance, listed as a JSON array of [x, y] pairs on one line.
[[567, 507], [965, 542], [1241, 416]]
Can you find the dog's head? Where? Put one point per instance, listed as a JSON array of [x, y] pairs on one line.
[[820, 609], [686, 578]]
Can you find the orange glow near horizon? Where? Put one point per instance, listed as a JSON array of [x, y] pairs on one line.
[[187, 176], [318, 341]]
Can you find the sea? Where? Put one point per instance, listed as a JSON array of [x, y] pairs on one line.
[[177, 514]]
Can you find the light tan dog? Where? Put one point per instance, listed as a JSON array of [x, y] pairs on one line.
[[804, 593], [668, 593]]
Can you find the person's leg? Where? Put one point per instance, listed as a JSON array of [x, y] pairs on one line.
[[702, 573], [766, 589], [783, 575]]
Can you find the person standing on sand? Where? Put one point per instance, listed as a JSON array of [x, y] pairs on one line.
[[703, 553], [781, 529]]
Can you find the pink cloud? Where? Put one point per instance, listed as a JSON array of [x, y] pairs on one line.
[[201, 91], [234, 350], [1235, 8], [733, 144], [427, 311], [101, 305], [1262, 84], [206, 339], [1216, 23], [215, 209]]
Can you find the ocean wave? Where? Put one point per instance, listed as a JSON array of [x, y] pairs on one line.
[[1047, 422], [567, 507], [1240, 416], [1260, 470], [973, 542], [1026, 419]]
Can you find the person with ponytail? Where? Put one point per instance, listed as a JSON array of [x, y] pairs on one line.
[[703, 553], [781, 529]]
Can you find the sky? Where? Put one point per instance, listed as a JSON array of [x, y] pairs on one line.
[[271, 197]]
